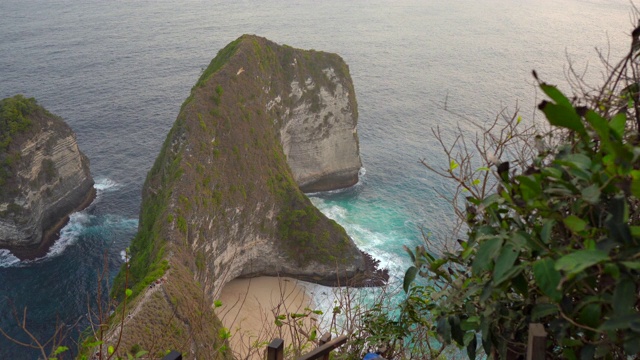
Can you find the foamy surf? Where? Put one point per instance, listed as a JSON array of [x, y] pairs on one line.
[[124, 256], [80, 223], [7, 259], [69, 234], [105, 184]]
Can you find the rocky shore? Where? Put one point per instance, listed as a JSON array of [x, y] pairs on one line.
[[44, 176]]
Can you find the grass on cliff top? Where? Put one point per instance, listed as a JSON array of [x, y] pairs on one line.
[[14, 117], [14, 120]]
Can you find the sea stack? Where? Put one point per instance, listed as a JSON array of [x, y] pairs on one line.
[[43, 176], [224, 198]]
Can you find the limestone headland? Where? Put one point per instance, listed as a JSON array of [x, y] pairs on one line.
[[224, 198], [44, 176]]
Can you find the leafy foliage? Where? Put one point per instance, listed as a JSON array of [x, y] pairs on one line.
[[14, 112], [14, 119], [557, 240]]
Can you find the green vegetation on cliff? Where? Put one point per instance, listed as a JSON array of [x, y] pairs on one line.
[[14, 119]]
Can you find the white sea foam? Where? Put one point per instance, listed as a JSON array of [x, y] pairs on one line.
[[361, 173], [105, 184], [7, 259], [124, 256], [69, 234], [119, 222]]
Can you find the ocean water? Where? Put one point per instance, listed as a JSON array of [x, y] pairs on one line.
[[117, 72]]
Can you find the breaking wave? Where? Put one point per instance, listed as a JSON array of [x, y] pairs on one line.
[[80, 223]]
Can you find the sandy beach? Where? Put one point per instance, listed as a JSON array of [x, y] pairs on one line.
[[250, 306]]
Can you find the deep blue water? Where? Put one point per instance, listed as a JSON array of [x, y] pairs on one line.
[[117, 72]]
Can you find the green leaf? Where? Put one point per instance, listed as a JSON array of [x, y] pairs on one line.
[[563, 116], [60, 350], [217, 303], [141, 353], [492, 199], [413, 257], [128, 292], [471, 348], [542, 310], [453, 165], [504, 263], [91, 345], [602, 350], [569, 354], [591, 194], [547, 278], [110, 349], [587, 352], [224, 333], [574, 223], [486, 252], [472, 323], [590, 315], [635, 265], [612, 269], [624, 297], [545, 233], [617, 124], [529, 187], [619, 322], [552, 172], [556, 95], [456, 332], [521, 285], [600, 125], [444, 329], [632, 345], [635, 187], [577, 261], [577, 161], [409, 276]]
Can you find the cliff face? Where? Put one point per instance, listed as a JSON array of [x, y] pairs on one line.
[[223, 198], [44, 176], [318, 126]]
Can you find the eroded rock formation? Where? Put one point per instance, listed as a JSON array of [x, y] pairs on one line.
[[43, 175], [318, 128], [223, 198]]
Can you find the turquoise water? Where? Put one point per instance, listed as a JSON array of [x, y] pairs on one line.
[[118, 71]]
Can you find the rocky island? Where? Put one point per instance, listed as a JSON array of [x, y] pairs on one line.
[[43, 176], [225, 198]]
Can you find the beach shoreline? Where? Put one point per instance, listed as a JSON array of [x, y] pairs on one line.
[[250, 307]]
